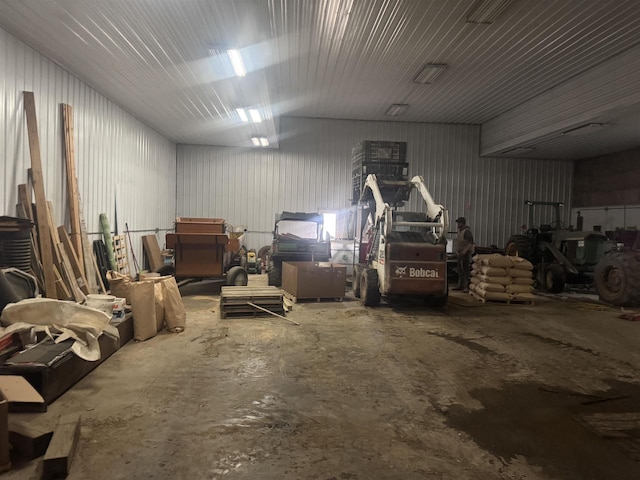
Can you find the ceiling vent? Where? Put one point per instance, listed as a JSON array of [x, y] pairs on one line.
[[486, 11], [429, 73]]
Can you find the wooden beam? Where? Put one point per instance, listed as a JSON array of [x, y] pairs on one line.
[[30, 441], [59, 456], [62, 261], [71, 281], [62, 292], [25, 200], [72, 183], [90, 271], [73, 260], [44, 236]]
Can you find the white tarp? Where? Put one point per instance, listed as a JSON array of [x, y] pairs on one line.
[[60, 321]]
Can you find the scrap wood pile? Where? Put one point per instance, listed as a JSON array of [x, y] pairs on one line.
[[61, 262], [497, 277]]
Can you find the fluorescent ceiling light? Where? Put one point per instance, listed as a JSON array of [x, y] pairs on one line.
[[260, 141], [486, 11], [255, 115], [586, 129], [429, 73], [518, 150], [237, 63], [396, 109], [242, 114]]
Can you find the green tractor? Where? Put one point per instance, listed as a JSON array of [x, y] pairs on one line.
[[560, 255]]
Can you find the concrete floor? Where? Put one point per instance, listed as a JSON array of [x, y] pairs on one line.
[[472, 392]]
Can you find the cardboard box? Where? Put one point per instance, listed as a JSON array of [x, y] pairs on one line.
[[13, 389], [314, 279]]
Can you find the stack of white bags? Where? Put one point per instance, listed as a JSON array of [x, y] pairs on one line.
[[499, 277]]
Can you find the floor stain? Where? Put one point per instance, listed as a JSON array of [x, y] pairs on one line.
[[471, 345], [561, 344], [542, 423]]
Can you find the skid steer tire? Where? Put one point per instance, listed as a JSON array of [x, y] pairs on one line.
[[237, 276], [369, 288], [274, 274], [554, 278], [518, 246], [617, 279]]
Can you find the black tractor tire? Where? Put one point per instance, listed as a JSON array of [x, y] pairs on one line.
[[237, 276], [617, 279], [554, 278], [355, 281], [274, 274], [369, 288], [519, 246]]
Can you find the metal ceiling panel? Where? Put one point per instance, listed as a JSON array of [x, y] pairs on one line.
[[346, 59]]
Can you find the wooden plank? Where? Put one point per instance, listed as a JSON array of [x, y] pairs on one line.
[[152, 251], [72, 183], [73, 260], [62, 262], [59, 456], [67, 274], [97, 270], [25, 200], [90, 268], [44, 238], [62, 291]]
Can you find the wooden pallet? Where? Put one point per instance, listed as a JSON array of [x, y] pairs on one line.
[[234, 301], [294, 299], [506, 302], [249, 314], [120, 254]]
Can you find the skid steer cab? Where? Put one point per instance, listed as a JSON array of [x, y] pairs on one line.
[[402, 254]]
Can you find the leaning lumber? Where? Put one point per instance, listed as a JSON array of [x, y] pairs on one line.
[[152, 251], [72, 183], [73, 260], [44, 236]]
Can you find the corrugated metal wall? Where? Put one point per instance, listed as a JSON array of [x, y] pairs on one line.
[[312, 171], [117, 156]]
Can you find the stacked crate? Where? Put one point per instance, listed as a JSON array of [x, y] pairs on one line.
[[387, 160]]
